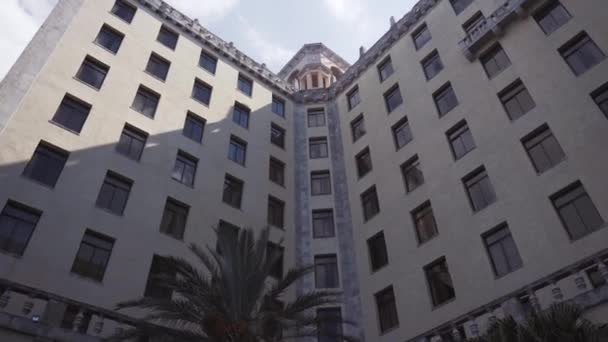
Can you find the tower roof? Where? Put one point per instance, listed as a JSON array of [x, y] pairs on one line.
[[313, 53]]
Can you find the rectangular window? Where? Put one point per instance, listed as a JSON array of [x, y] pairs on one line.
[[114, 193], [174, 218], [579, 215], [326, 272], [421, 36], [473, 23], [460, 139], [392, 98], [278, 106], [494, 61], [245, 85], [92, 72], [240, 115], [184, 170], [363, 160], [69, 317], [385, 69], [277, 252], [320, 183], [516, 99], [600, 96], [445, 99], [233, 191], [109, 38], [552, 16], [353, 98], [208, 62], [323, 223], [316, 117], [543, 149], [158, 66], [132, 142], [440, 281], [17, 223], [276, 212], [276, 171], [432, 65], [230, 228], [370, 204], [46, 164], [194, 126], [402, 133], [201, 92], [167, 37], [72, 113], [581, 53], [502, 250], [93, 255], [479, 189], [146, 101], [595, 277], [277, 135], [378, 255], [329, 327], [412, 174], [357, 127], [318, 148], [424, 222], [154, 286], [237, 150], [123, 10], [460, 5], [387, 309]]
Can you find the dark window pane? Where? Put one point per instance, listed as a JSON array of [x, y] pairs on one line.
[[93, 255], [421, 37], [131, 143], [424, 221], [440, 282], [167, 37], [123, 10], [323, 223], [474, 23], [92, 72], [357, 128], [202, 92], [276, 209], [277, 135], [146, 102], [369, 201], [329, 328], [353, 98], [245, 85], [494, 61], [378, 254], [278, 106], [364, 162], [194, 127], [412, 174], [318, 148], [581, 53], [114, 193], [277, 171], [445, 99], [552, 17], [320, 183], [392, 98], [233, 191], [17, 223], [72, 113], [326, 272], [208, 62], [577, 212], [595, 277], [502, 251], [240, 115], [184, 170], [543, 149], [109, 38], [174, 218], [600, 96], [316, 118], [46, 164], [517, 100], [155, 285], [387, 309], [158, 67], [432, 65], [237, 150], [385, 69], [461, 140], [276, 251], [480, 190], [401, 133], [460, 5]]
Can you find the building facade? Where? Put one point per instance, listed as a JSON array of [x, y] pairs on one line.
[[453, 174]]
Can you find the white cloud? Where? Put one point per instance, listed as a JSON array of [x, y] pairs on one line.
[[207, 10], [353, 14]]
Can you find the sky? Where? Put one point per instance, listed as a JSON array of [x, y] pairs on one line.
[[269, 31]]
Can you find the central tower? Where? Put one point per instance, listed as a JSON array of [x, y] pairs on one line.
[[314, 66]]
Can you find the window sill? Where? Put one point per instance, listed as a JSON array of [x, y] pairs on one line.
[[201, 102], [540, 173], [127, 157], [173, 237], [87, 279], [426, 241], [35, 181], [158, 78], [439, 306], [244, 93], [65, 128], [278, 184], [109, 211], [184, 184], [603, 226], [11, 254], [105, 48], [121, 19], [389, 330], [87, 84], [168, 47], [237, 163], [367, 220], [193, 140], [323, 237], [140, 113], [498, 277]]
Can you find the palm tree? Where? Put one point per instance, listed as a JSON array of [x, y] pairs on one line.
[[229, 298]]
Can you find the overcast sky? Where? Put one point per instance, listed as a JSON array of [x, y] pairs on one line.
[[270, 31]]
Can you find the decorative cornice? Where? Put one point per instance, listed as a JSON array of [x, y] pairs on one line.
[[314, 48]]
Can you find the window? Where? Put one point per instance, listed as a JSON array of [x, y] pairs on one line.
[[326, 272], [329, 328], [114, 193], [576, 210], [460, 139], [154, 286], [387, 309], [207, 62], [581, 53], [72, 113], [123, 10], [401, 133], [473, 23], [194, 126], [516, 99], [479, 189], [369, 202], [184, 170], [245, 85], [230, 228], [109, 38], [277, 135], [494, 61], [424, 222], [440, 282], [46, 164], [460, 5], [543, 149], [167, 37], [353, 98], [392, 98], [201, 92], [552, 17], [421, 36], [385, 69], [600, 96], [502, 250], [233, 191], [132, 142], [158, 66], [445, 99], [237, 150], [320, 183], [315, 79], [595, 277], [364, 162], [174, 218], [276, 209], [432, 65], [93, 255], [378, 255], [69, 318], [277, 171], [17, 223], [316, 117], [275, 251], [323, 223], [318, 147], [357, 127], [92, 72], [240, 115], [146, 102], [412, 174], [278, 106]]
